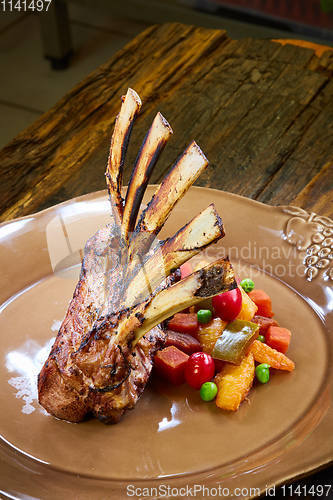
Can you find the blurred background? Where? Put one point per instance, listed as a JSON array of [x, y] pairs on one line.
[[43, 55]]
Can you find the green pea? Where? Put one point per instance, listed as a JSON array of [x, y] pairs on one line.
[[262, 373], [204, 315], [208, 391], [247, 285], [261, 338]]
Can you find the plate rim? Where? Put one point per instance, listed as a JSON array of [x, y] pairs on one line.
[[102, 192], [319, 463]]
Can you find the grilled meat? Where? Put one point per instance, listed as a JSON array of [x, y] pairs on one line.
[[102, 357]]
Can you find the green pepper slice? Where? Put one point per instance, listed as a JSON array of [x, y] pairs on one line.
[[235, 341]]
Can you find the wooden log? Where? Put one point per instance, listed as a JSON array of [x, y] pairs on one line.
[[261, 112], [317, 195]]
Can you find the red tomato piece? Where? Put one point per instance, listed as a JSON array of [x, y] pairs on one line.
[[278, 338], [263, 302], [227, 305], [170, 364], [185, 270], [183, 341], [264, 323], [184, 323], [200, 368]]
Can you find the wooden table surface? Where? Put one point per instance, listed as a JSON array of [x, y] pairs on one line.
[[261, 111]]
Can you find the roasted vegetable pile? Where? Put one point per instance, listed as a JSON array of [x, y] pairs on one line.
[[222, 347]]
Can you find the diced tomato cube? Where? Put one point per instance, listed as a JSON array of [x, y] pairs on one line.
[[170, 364], [264, 323], [183, 341], [263, 302], [218, 365], [184, 323], [185, 270], [278, 338]]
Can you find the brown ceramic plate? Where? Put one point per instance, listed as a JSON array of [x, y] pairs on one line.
[[171, 438]]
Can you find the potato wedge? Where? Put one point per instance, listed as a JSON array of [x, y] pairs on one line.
[[249, 308], [234, 383]]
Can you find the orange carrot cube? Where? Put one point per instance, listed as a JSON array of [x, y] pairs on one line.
[[263, 302], [278, 338]]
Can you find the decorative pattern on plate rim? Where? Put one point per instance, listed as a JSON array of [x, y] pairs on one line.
[[312, 234]]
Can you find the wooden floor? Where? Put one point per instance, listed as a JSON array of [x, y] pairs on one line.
[[28, 86]]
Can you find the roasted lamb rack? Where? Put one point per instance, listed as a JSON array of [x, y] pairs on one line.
[[102, 357]]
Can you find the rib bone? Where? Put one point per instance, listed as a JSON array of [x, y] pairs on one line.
[[123, 126], [152, 146], [186, 170]]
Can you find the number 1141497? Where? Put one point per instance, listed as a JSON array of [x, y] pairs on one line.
[[25, 5]]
